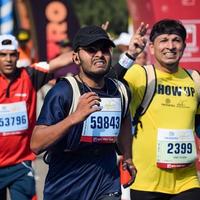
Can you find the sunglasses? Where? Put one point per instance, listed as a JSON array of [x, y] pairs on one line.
[[95, 49]]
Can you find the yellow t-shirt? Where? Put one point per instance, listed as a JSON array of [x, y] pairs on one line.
[[173, 107]]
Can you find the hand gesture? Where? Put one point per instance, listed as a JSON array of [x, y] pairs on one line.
[[105, 25], [105, 28], [138, 41]]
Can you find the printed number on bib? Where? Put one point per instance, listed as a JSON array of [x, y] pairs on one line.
[[13, 118], [103, 126], [104, 122], [175, 148]]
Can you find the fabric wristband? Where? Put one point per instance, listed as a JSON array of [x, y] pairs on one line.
[[126, 61]]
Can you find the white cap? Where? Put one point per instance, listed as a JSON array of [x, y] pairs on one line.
[[8, 42], [123, 39]]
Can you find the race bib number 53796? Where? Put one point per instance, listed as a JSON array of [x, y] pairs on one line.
[[13, 117]]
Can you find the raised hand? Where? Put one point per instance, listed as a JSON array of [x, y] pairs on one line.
[[105, 28], [138, 41], [105, 25]]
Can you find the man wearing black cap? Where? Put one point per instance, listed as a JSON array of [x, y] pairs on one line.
[[81, 144]]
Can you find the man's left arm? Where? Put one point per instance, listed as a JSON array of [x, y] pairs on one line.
[[125, 145]]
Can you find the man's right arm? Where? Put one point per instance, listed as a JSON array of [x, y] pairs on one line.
[[45, 134]]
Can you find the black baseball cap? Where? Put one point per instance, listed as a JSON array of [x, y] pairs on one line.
[[90, 34]]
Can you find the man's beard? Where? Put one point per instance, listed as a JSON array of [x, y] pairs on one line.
[[99, 75]]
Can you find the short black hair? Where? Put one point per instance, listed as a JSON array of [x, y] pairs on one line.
[[168, 26]]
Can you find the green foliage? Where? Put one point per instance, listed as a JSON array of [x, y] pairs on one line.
[[97, 12]]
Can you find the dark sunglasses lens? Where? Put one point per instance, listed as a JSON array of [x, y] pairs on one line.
[[103, 49], [91, 49]]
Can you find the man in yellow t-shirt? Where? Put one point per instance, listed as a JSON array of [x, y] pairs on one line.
[[163, 148]]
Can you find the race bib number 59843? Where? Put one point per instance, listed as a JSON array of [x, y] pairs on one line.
[[103, 126]]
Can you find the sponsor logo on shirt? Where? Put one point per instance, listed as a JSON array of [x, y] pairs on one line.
[[20, 94]]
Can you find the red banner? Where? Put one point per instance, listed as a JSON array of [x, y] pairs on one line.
[[185, 10]]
